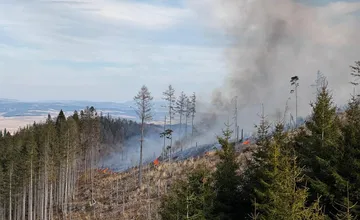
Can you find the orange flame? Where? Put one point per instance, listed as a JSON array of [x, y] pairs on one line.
[[156, 162], [246, 142]]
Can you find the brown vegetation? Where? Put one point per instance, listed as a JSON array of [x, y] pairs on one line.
[[117, 195]]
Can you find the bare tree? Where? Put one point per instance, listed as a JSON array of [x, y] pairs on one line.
[[143, 110], [169, 96], [180, 108], [192, 112], [187, 114], [319, 82], [163, 136]]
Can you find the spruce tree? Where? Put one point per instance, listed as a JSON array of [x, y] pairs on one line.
[[189, 199], [350, 163], [320, 150], [277, 193], [266, 170], [226, 180], [2, 187], [253, 168], [345, 209]]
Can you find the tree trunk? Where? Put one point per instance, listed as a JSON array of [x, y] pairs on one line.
[[41, 196], [164, 137], [186, 126], [141, 150], [35, 201], [51, 210], [30, 212], [46, 190], [170, 112], [66, 187], [180, 131], [24, 203], [10, 191], [192, 129]]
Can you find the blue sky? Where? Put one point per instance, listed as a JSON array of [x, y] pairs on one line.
[[106, 49]]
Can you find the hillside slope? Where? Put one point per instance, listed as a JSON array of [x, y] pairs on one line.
[[117, 196]]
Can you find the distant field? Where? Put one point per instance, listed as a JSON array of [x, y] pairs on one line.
[[15, 114], [13, 123]]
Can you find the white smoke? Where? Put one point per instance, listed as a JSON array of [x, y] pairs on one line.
[[128, 154], [273, 40], [270, 41]]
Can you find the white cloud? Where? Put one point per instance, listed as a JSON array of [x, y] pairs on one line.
[[146, 15], [324, 37], [128, 12], [85, 31], [50, 21]]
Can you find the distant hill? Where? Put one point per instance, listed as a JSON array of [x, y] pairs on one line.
[[15, 108]]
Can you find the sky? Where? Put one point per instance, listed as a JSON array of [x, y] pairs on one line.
[[105, 50]]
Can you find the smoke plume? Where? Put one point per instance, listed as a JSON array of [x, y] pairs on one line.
[[273, 40], [266, 43]]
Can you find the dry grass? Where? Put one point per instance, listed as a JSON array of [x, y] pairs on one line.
[[119, 197]]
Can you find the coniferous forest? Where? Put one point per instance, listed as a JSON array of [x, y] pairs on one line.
[[311, 171], [41, 164], [308, 172]]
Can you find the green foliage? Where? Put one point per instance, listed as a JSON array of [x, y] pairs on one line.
[[349, 166], [314, 174], [345, 209], [322, 150], [167, 134], [250, 179], [278, 194], [46, 150], [227, 180], [189, 199], [263, 132]]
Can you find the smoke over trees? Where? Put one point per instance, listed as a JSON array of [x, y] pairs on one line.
[[310, 172], [269, 41]]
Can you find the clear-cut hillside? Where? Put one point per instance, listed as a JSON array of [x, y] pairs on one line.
[[117, 195]]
